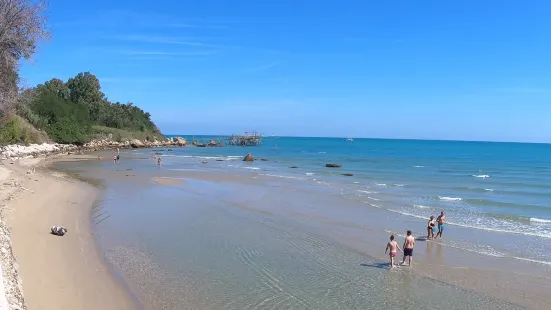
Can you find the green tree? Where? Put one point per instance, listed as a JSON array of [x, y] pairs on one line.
[[85, 88], [57, 87], [22, 26]]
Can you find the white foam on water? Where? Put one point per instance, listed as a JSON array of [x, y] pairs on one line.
[[281, 176], [322, 152], [489, 189], [525, 233], [449, 198], [539, 221], [540, 234], [309, 173], [532, 260], [252, 168], [408, 214], [483, 176], [422, 207], [381, 184], [418, 166], [373, 205], [366, 192], [373, 198], [399, 185], [356, 182]]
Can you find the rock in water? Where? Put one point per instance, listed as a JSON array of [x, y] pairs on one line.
[[249, 157], [333, 165], [347, 174]]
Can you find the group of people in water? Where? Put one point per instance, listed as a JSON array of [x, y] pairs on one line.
[[117, 158], [158, 159], [392, 246]]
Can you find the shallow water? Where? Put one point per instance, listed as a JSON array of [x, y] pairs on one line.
[[262, 235], [199, 252]]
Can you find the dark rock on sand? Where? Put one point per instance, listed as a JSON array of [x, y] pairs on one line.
[[249, 157], [347, 174], [219, 160], [333, 165], [293, 167], [264, 159]]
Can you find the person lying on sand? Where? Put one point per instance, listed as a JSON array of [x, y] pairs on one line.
[[393, 247]]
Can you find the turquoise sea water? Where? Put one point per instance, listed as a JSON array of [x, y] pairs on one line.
[[501, 187], [262, 235]]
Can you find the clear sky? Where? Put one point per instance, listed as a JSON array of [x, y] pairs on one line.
[[431, 69]]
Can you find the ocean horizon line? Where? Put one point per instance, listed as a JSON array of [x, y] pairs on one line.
[[364, 138]]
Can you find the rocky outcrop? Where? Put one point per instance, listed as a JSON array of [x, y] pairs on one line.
[[15, 150], [179, 141], [333, 165], [249, 157], [136, 143]]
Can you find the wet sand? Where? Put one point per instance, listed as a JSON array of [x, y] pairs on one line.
[[167, 181], [60, 272]]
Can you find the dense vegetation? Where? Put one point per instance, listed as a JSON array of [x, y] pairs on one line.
[[77, 111]]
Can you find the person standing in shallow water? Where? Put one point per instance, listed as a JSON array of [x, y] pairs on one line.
[[393, 247], [430, 228], [409, 243], [441, 221], [159, 162]]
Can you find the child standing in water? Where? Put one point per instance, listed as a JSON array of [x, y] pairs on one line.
[[159, 162], [393, 247]]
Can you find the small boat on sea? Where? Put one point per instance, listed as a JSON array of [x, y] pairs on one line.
[[349, 139]]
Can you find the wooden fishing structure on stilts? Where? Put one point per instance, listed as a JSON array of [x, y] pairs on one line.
[[253, 139]]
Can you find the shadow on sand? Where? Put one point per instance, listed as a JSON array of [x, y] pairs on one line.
[[377, 265]]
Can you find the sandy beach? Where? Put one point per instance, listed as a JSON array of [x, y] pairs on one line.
[[58, 272]]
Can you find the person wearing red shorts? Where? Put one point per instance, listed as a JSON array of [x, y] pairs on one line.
[[393, 247]]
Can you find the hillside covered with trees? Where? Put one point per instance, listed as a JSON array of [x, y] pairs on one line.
[[75, 111]]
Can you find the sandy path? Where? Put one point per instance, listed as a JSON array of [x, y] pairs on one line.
[[60, 272]]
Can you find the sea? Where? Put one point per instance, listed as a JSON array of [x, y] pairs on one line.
[[287, 232]]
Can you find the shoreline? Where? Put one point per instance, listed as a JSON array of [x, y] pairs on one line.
[[69, 271]]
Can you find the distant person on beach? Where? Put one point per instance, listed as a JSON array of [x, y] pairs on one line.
[[393, 247], [431, 227], [409, 243], [159, 162], [441, 221]]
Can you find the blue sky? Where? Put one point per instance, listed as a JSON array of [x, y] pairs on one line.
[[467, 70]]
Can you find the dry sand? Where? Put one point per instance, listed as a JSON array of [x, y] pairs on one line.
[[59, 272]]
